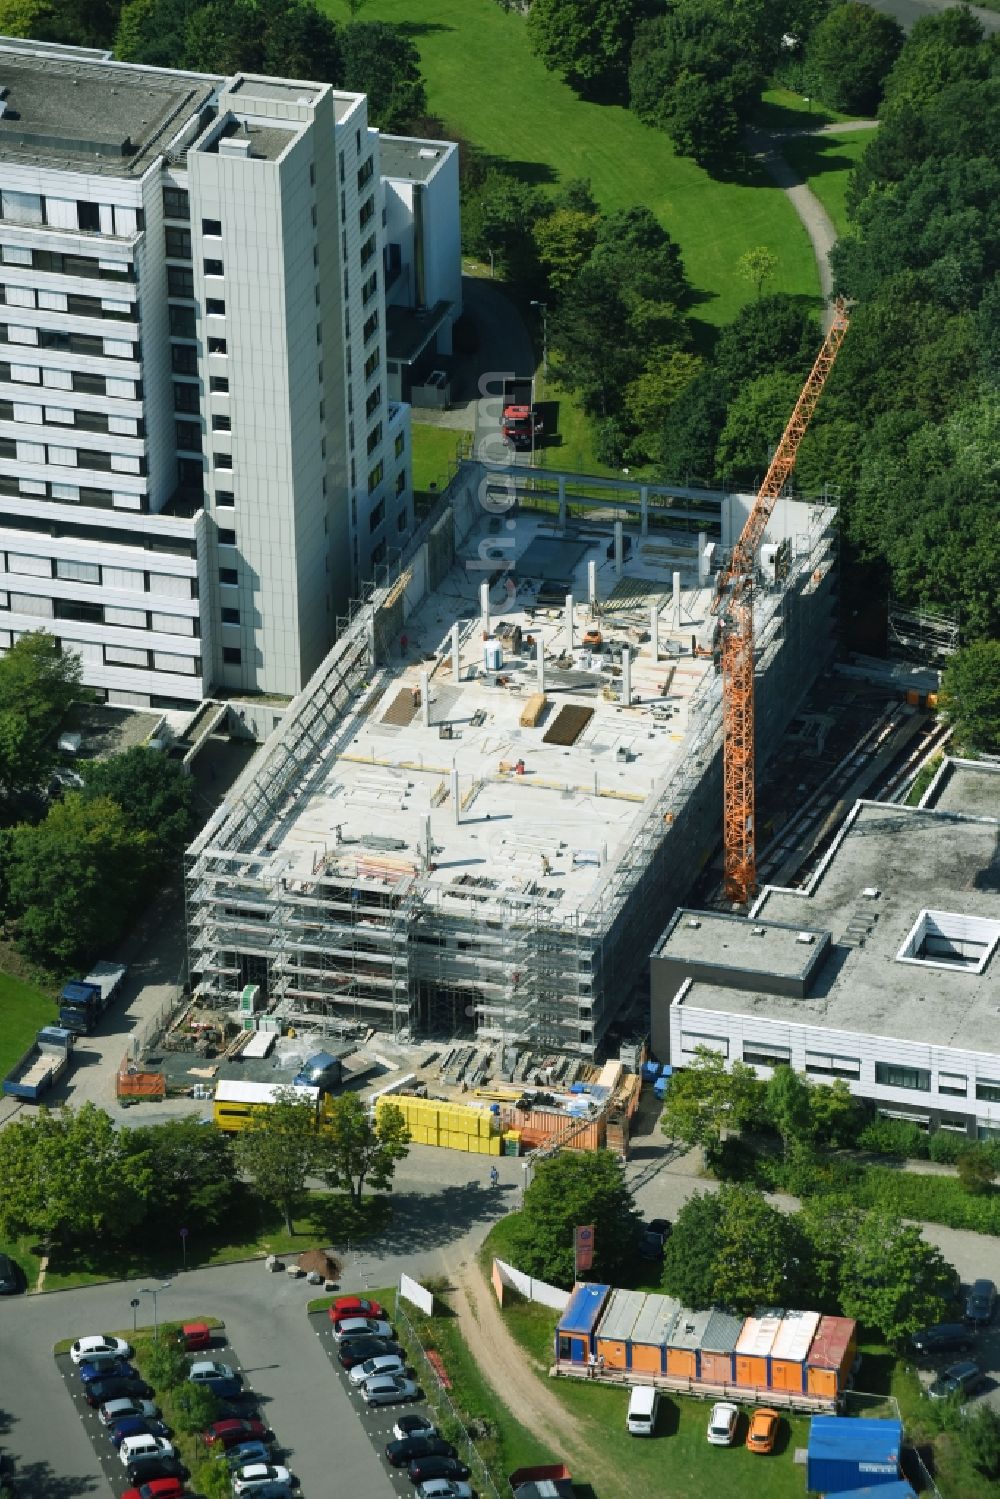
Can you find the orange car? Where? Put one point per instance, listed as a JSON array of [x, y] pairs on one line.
[[763, 1430]]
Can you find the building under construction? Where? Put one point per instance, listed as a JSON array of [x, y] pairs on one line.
[[478, 816]]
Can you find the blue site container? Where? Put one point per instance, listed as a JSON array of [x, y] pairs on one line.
[[848, 1453], [575, 1328], [650, 1070], [900, 1489]]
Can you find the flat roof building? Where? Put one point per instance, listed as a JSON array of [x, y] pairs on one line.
[[883, 971], [201, 462]]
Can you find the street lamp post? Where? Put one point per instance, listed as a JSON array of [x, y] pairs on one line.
[[490, 254], [543, 308], [135, 1304], [154, 1291]]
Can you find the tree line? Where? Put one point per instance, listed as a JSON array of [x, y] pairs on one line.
[[76, 865], [82, 1184]]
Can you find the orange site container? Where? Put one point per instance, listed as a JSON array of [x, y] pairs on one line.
[[752, 1362], [651, 1333], [790, 1350], [829, 1361], [614, 1331]]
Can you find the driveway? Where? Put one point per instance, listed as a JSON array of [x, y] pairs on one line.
[[909, 12]]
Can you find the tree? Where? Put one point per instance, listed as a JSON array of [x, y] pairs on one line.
[[786, 1103], [981, 1439], [701, 116], [892, 1279], [756, 1256], [689, 440], [277, 1150], [195, 1184], [754, 424], [833, 1113], [499, 216], [74, 879], [633, 249], [772, 334], [826, 1224], [380, 61], [757, 266], [355, 1148], [576, 1189], [970, 695], [849, 55], [81, 23], [38, 687], [72, 1176], [300, 41], [651, 397], [564, 240], [154, 792], [586, 41], [195, 1406], [688, 1263], [976, 1171], [167, 1367], [705, 1100], [942, 48]]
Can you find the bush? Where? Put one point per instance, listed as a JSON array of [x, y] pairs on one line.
[[945, 1148], [976, 1171], [933, 1199], [894, 1137], [164, 1364]]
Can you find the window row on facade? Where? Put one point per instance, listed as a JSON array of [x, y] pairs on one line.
[[23, 451], [88, 344], [70, 213], [55, 263], [90, 612]]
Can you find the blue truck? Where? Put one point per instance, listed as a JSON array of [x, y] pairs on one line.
[[44, 1061], [83, 1001]]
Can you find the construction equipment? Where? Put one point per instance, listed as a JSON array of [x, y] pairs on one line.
[[733, 603]]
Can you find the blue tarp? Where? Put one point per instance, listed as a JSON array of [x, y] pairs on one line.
[[846, 1453]]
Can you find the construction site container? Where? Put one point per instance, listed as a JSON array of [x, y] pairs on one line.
[[684, 1344], [845, 1452], [237, 1102], [614, 1333], [752, 1365], [718, 1348], [897, 1488], [829, 1361], [575, 1328], [651, 1332], [539, 1126], [790, 1350], [512, 1142]]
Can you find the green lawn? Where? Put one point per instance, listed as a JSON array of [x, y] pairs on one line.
[[826, 162], [434, 451], [23, 1011], [780, 109], [484, 82]]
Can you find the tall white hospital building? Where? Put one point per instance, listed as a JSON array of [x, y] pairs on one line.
[[200, 454]]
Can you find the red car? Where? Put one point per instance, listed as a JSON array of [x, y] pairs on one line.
[[355, 1306], [157, 1488], [228, 1433], [196, 1335]]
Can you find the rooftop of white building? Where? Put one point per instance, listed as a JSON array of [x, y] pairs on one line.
[[910, 898]]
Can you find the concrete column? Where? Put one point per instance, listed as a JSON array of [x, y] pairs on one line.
[[428, 844], [675, 609], [644, 502], [425, 699], [627, 676], [654, 632], [456, 655], [619, 549], [454, 796], [569, 621], [702, 564], [484, 606], [541, 663], [562, 502], [592, 586]]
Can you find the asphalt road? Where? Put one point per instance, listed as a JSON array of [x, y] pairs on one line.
[[908, 12]]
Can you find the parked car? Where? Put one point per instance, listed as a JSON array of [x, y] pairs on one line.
[[220, 1378], [981, 1303], [722, 1424], [943, 1337], [423, 1468], [245, 1453], [650, 1245], [960, 1379], [266, 1479], [157, 1488], [138, 1426], [11, 1277], [383, 1363], [229, 1432], [194, 1336], [103, 1390], [361, 1327], [406, 1449], [148, 1469], [100, 1345], [114, 1411], [355, 1306], [388, 1389], [355, 1350], [763, 1432], [413, 1425], [144, 1446], [661, 1226], [445, 1488], [118, 1368]]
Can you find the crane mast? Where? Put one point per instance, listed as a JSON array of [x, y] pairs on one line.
[[733, 604]]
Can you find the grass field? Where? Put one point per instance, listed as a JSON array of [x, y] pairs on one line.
[[825, 162], [23, 1011], [434, 450], [484, 82]]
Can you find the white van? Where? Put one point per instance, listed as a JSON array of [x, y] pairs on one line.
[[643, 1407]]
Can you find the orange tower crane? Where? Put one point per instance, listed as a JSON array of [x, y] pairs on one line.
[[733, 604]]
